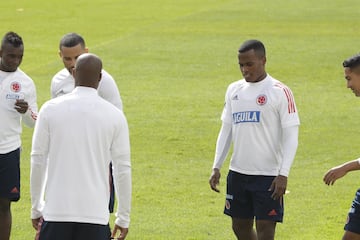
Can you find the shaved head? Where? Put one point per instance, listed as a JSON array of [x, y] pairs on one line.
[[87, 70]]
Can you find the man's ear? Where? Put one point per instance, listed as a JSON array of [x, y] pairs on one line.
[[100, 76], [86, 50]]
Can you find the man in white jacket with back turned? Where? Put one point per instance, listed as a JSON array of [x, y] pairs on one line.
[[74, 139], [71, 46]]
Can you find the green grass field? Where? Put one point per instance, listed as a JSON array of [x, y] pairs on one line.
[[172, 61]]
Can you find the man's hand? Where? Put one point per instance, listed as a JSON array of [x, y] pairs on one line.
[[333, 174], [37, 225], [36, 222], [279, 187], [21, 106], [123, 232], [215, 179]]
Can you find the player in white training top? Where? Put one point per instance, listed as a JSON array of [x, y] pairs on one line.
[[74, 139], [17, 103], [260, 119], [71, 46]]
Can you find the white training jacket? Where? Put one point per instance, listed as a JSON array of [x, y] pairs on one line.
[[74, 139]]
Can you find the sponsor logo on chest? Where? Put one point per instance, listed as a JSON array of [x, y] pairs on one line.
[[13, 96], [247, 116]]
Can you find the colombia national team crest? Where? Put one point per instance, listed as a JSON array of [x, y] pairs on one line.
[[261, 99], [15, 87]]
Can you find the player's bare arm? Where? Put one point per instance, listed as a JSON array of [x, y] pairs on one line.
[[337, 172]]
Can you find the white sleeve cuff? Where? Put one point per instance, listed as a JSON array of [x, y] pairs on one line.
[[123, 190]]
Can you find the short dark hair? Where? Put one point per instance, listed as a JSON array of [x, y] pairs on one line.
[[12, 38], [352, 62], [71, 40], [258, 47]]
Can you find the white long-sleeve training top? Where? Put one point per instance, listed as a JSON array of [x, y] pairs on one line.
[[15, 85], [261, 120], [63, 82], [74, 139]]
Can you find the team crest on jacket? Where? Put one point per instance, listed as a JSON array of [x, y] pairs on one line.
[[15, 87], [261, 99]]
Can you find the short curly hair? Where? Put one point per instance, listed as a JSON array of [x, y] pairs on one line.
[[12, 38]]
